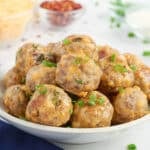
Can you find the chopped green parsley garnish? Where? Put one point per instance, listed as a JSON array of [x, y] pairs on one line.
[[78, 60], [93, 100], [49, 63], [101, 100], [121, 90], [131, 35], [120, 12], [41, 89], [112, 58], [132, 147], [146, 41], [133, 67], [79, 81], [66, 41], [146, 53], [70, 111], [120, 68], [80, 103]]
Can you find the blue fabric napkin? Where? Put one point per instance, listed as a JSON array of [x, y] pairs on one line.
[[13, 139]]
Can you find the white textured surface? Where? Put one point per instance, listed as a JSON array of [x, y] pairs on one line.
[[95, 23]]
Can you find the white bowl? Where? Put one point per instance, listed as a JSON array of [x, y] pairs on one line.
[[68, 135]]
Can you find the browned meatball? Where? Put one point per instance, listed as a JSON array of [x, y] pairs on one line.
[[29, 55], [133, 60], [56, 50], [142, 77], [116, 74], [92, 111], [105, 51], [15, 100], [80, 44], [49, 105], [40, 74], [130, 104], [75, 45], [77, 74], [13, 77]]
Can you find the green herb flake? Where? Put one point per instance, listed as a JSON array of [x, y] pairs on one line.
[[112, 19], [41, 89], [113, 58], [92, 99], [121, 90], [118, 25], [131, 147], [120, 68], [77, 60], [146, 53], [131, 35], [79, 81], [70, 111], [80, 103], [66, 41], [146, 41], [101, 100], [49, 63], [133, 67], [120, 12]]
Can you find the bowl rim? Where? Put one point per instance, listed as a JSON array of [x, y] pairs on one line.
[[45, 128]]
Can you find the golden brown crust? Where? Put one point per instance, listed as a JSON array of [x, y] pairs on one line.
[[91, 116], [129, 105], [52, 108], [40, 74], [78, 75], [16, 99]]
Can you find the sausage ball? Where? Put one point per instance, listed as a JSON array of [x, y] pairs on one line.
[[116, 74], [105, 51], [49, 105], [78, 44], [56, 50], [77, 74], [130, 104], [16, 99], [75, 45], [92, 111], [133, 61], [142, 77], [40, 74], [29, 55], [13, 77]]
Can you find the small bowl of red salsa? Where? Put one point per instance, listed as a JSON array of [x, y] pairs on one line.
[[60, 13]]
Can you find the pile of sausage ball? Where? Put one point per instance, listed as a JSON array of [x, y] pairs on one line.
[[76, 83]]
